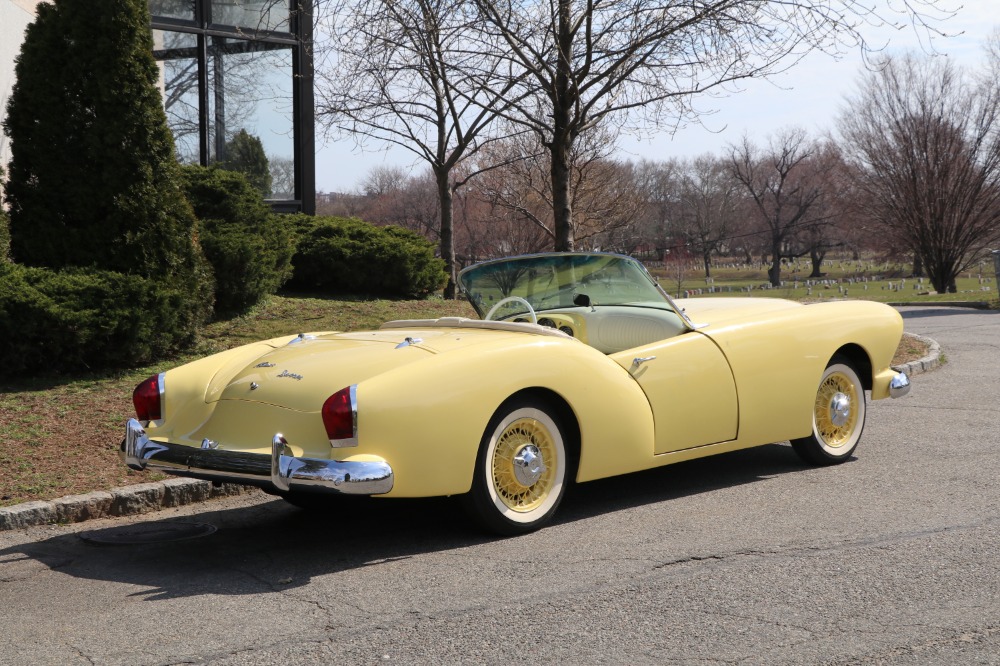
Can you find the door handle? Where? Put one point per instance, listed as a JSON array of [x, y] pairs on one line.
[[639, 360]]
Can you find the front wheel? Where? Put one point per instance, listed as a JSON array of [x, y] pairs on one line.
[[520, 471], [838, 416]]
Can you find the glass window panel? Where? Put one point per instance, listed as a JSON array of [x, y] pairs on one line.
[[179, 9], [176, 56], [250, 102], [252, 14]]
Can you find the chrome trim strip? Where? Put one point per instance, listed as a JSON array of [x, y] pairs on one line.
[[161, 386], [277, 471], [300, 338], [899, 386]]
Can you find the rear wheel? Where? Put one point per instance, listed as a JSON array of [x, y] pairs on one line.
[[520, 474], [838, 416]]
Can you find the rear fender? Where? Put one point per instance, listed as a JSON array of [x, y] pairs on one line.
[[427, 419]]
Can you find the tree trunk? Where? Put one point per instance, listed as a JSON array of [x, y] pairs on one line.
[[918, 265], [774, 272], [942, 275], [817, 263], [562, 139], [562, 207], [707, 259], [445, 198]]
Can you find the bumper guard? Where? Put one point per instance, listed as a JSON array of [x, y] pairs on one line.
[[899, 386], [277, 471]]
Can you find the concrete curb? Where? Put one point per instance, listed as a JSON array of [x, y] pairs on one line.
[[925, 364], [125, 501], [146, 497]]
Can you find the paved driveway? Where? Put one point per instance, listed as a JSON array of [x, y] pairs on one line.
[[750, 558]]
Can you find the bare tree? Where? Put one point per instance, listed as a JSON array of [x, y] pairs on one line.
[[601, 189], [657, 185], [707, 206], [639, 64], [393, 197], [786, 196], [923, 139], [414, 73]]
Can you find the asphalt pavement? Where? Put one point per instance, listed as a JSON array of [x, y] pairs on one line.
[[748, 558]]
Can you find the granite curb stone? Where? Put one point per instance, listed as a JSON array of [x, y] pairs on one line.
[[925, 364], [124, 501], [146, 497]]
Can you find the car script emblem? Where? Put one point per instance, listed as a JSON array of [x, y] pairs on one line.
[[285, 373], [265, 364]]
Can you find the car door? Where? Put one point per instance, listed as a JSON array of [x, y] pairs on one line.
[[690, 388]]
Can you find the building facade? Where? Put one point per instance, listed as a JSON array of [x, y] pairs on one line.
[[15, 15], [230, 71]]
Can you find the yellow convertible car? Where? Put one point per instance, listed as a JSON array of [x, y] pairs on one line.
[[581, 367]]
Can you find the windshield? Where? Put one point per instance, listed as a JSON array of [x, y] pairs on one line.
[[551, 281]]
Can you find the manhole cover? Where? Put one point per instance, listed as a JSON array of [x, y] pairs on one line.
[[148, 533]]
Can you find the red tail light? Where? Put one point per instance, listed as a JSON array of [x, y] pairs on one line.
[[148, 399], [340, 417]]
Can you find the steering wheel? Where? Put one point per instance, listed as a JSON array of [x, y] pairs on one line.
[[512, 299]]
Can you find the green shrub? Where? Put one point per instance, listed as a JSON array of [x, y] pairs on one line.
[[249, 247], [4, 236], [337, 255], [95, 193], [4, 225], [63, 321]]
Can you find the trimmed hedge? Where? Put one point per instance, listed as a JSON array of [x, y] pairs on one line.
[[75, 319], [249, 247], [339, 255]]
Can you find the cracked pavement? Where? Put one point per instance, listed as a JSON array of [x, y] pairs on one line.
[[747, 558]]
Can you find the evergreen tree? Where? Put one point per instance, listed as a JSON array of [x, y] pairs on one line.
[[93, 178], [4, 227], [245, 154]]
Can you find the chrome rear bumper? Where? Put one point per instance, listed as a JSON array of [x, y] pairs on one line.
[[278, 471]]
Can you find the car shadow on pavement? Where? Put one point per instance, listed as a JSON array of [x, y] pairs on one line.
[[671, 482], [271, 546], [916, 312]]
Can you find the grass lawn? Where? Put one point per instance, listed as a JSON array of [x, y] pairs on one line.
[[60, 435], [843, 278]]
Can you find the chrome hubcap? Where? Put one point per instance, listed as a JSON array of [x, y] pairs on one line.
[[528, 465], [840, 410]]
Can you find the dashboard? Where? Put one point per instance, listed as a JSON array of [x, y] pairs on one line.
[[612, 329]]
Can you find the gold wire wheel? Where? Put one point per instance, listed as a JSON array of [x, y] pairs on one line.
[[524, 465], [836, 410]]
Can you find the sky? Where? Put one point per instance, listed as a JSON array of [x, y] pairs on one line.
[[810, 95]]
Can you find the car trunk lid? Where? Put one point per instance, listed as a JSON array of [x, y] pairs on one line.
[[303, 374]]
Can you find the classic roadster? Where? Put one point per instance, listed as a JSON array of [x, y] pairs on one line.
[[581, 367]]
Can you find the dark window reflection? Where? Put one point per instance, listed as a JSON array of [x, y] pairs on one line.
[[178, 9], [251, 98], [177, 56], [252, 14], [231, 75]]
